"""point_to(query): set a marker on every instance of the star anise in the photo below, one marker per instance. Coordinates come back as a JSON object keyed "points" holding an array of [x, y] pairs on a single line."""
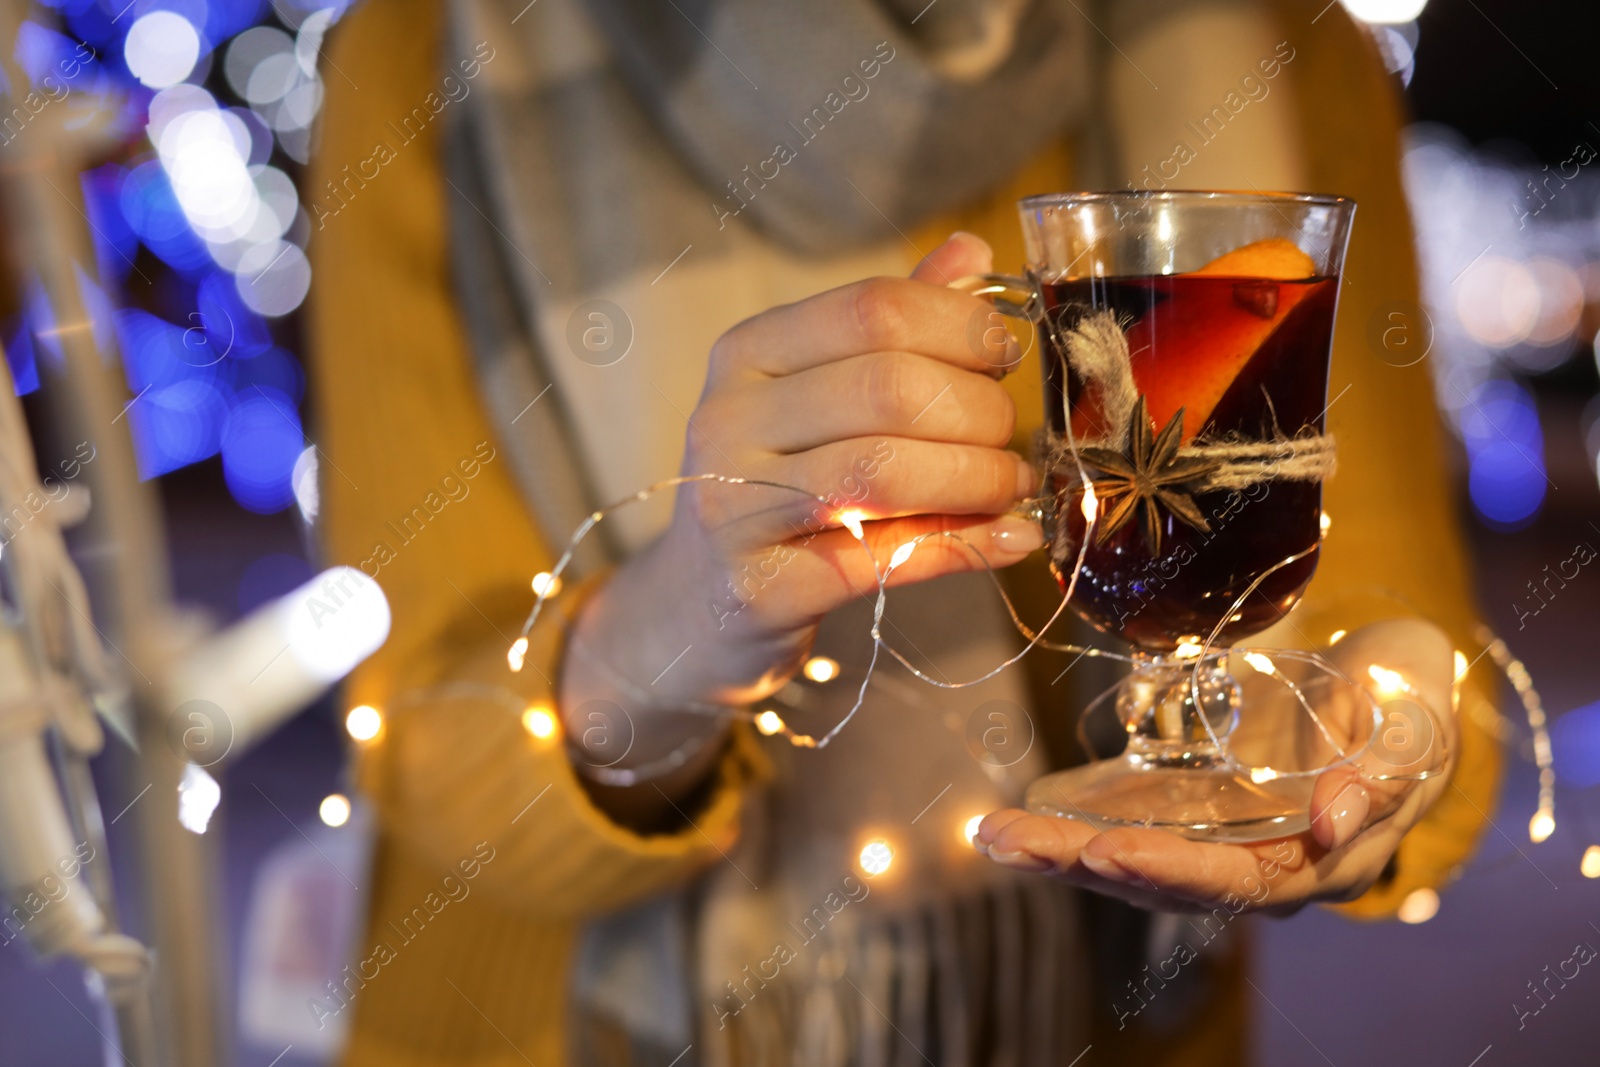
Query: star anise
{"points": [[1149, 472]]}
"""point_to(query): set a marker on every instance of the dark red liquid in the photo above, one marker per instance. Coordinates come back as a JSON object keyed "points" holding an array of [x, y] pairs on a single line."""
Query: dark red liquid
{"points": [[1220, 348]]}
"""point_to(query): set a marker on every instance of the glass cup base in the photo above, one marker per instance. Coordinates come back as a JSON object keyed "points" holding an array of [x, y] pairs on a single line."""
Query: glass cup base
{"points": [[1198, 796]]}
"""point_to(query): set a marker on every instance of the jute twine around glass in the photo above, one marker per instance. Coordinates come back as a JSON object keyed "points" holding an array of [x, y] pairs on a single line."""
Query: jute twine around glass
{"points": [[1097, 351]]}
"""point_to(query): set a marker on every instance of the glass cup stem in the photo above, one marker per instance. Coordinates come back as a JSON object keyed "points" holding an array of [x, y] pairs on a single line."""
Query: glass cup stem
{"points": [[1157, 707]]}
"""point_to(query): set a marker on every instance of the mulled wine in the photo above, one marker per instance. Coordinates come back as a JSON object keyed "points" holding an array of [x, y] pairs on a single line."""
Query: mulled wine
{"points": [[1244, 358]]}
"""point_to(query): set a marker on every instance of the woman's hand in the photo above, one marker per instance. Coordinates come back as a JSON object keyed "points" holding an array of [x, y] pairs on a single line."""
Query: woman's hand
{"points": [[880, 396], [1357, 820]]}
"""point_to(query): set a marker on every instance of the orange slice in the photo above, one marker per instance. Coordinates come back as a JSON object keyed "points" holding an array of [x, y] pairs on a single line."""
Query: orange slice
{"points": [[1189, 350], [1273, 258]]}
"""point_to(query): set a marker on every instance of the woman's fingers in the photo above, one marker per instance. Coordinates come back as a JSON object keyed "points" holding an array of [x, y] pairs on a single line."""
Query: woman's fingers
{"points": [[1048, 845], [897, 393], [875, 315], [830, 569], [1151, 868], [961, 254], [916, 478]]}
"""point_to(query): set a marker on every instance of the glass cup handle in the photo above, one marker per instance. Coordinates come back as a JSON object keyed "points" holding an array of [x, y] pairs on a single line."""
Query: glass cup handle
{"points": [[1011, 295], [1018, 298]]}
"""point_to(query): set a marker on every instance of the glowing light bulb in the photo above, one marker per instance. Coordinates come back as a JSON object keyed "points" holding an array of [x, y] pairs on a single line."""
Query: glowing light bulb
{"points": [[1541, 826], [970, 830], [850, 519], [1327, 522], [1261, 663], [1419, 906], [1390, 683], [1461, 665], [821, 669], [902, 554], [1188, 647], [1590, 866], [1337, 636], [516, 653], [363, 722], [539, 721], [876, 856], [769, 722], [546, 584], [1262, 774], [1091, 505], [334, 809]]}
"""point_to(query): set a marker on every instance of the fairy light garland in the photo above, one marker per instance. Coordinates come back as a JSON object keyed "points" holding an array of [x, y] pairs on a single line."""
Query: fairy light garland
{"points": [[1385, 682], [852, 519], [1543, 823]]}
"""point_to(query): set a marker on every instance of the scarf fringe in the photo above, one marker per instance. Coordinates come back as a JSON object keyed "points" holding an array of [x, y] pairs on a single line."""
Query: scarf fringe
{"points": [[976, 981]]}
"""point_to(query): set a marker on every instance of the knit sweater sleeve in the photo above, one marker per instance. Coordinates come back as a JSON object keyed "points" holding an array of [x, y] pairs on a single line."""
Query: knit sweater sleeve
{"points": [[1396, 537], [415, 491], [1395, 547]]}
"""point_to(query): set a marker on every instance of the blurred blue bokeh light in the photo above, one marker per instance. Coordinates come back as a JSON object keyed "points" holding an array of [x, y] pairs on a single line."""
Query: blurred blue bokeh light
{"points": [[1575, 739], [206, 374], [1505, 452], [260, 441]]}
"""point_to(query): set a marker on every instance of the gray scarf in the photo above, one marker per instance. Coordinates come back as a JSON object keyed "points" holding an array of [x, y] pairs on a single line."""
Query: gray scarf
{"points": [[853, 119], [589, 171]]}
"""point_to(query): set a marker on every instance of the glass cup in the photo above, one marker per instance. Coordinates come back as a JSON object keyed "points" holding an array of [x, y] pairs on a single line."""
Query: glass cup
{"points": [[1185, 340]]}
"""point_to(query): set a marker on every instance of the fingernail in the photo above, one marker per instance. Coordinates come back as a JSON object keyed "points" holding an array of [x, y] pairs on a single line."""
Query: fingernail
{"points": [[1020, 861], [1015, 535], [970, 236], [1027, 479], [1348, 813], [1106, 868]]}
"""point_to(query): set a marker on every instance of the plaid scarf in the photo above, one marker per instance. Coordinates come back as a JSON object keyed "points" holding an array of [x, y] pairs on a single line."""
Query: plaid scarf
{"points": [[629, 179]]}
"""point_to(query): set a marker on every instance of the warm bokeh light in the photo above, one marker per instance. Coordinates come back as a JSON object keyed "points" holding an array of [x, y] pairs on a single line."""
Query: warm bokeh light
{"points": [[1261, 662], [1091, 505], [821, 669], [769, 723], [1419, 906], [539, 721], [516, 653], [1390, 683], [546, 584], [1560, 301], [970, 829], [334, 809], [1541, 826], [1497, 301], [1337, 636], [363, 722], [876, 857], [1590, 865], [1189, 646], [850, 519]]}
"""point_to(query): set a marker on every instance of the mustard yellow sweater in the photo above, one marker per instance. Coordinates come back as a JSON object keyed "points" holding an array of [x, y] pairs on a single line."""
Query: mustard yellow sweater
{"points": [[455, 778]]}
